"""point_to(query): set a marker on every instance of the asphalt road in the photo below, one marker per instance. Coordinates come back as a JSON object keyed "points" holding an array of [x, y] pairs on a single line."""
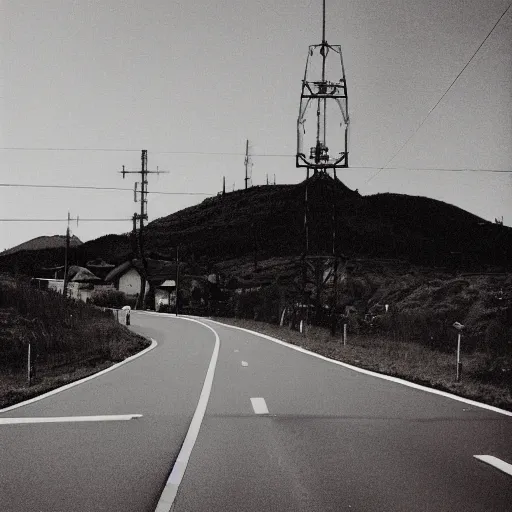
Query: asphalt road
{"points": [[108, 466], [334, 439]]}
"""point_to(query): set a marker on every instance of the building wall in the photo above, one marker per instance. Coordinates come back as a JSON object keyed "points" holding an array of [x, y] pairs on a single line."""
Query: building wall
{"points": [[129, 282], [57, 285], [163, 296], [73, 290]]}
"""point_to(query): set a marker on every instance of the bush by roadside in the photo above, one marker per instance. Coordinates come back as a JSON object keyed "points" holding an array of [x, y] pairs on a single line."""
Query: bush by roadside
{"points": [[68, 340]]}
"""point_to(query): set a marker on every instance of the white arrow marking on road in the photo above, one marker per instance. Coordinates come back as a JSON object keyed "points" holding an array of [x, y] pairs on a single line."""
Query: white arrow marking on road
{"points": [[259, 405], [245, 363], [68, 419], [495, 462]]}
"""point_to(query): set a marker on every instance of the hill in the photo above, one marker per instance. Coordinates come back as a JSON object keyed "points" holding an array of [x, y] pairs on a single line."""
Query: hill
{"points": [[43, 242], [268, 221]]}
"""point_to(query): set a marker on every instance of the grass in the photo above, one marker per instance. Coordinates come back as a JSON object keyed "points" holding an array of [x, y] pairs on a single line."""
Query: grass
{"points": [[410, 361], [69, 341]]}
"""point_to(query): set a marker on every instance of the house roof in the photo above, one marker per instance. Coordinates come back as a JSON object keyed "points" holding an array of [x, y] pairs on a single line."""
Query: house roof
{"points": [[158, 270], [99, 263], [168, 283], [84, 276], [118, 271]]}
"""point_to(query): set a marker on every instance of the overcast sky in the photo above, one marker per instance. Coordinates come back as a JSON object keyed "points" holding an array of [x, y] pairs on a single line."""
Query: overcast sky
{"points": [[204, 76]]}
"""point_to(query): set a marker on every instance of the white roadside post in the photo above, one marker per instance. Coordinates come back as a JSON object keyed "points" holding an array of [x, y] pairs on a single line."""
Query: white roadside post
{"points": [[344, 334], [459, 328], [29, 373], [127, 317], [459, 364], [282, 317]]}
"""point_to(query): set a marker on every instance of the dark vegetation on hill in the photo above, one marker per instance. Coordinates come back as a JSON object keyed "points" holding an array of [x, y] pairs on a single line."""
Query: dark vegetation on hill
{"points": [[269, 220]]}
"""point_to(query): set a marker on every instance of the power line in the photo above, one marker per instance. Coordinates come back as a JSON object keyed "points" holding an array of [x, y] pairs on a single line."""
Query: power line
{"points": [[66, 149], [65, 220], [271, 155], [444, 94], [434, 169], [120, 150], [71, 187]]}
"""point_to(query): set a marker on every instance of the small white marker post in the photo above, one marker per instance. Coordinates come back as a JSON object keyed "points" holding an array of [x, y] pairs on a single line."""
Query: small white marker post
{"points": [[459, 363], [459, 328], [344, 335], [29, 373], [282, 318]]}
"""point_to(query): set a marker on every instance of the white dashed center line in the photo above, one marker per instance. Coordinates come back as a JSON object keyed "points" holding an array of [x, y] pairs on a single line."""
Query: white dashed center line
{"points": [[259, 405], [68, 419], [495, 462], [245, 363]]}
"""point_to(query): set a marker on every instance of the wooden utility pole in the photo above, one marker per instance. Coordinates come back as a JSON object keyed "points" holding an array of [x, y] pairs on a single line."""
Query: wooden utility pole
{"points": [[246, 163], [134, 235], [142, 216], [177, 276], [65, 289]]}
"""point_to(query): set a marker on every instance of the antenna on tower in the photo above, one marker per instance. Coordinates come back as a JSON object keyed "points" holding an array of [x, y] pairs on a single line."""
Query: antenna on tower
{"points": [[248, 164], [323, 90]]}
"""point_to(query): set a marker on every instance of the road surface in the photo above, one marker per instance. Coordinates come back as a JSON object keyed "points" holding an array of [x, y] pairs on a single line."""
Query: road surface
{"points": [[283, 431]]}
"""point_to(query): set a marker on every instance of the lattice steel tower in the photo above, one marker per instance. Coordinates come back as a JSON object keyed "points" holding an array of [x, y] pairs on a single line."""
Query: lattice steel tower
{"points": [[324, 86], [322, 146]]}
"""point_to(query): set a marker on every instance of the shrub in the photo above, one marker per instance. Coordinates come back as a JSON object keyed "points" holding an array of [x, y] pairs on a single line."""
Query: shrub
{"points": [[111, 299]]}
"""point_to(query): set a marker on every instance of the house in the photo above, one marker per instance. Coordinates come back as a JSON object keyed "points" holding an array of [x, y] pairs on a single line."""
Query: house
{"points": [[81, 282], [42, 283], [161, 276]]}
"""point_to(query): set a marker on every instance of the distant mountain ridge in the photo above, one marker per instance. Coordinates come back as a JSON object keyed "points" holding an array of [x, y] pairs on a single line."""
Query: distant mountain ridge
{"points": [[43, 242]]}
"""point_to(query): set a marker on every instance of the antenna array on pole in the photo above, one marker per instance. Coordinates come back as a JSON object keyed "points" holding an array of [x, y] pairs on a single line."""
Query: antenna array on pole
{"points": [[324, 86], [143, 215]]}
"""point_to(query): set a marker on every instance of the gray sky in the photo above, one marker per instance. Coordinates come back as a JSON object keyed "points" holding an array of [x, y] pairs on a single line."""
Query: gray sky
{"points": [[203, 76]]}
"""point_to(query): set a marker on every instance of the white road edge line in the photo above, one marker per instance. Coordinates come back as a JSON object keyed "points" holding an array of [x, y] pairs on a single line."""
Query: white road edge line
{"points": [[170, 491], [259, 405], [373, 374], [495, 462], [68, 419], [81, 381], [245, 363]]}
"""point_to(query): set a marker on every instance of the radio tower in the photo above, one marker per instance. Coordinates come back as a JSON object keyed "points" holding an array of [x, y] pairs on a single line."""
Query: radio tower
{"points": [[324, 87]]}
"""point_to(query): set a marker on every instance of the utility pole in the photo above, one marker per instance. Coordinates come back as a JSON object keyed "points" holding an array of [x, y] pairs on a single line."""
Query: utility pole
{"points": [[66, 257], [223, 185], [65, 289], [246, 163], [177, 276], [141, 217], [134, 234]]}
